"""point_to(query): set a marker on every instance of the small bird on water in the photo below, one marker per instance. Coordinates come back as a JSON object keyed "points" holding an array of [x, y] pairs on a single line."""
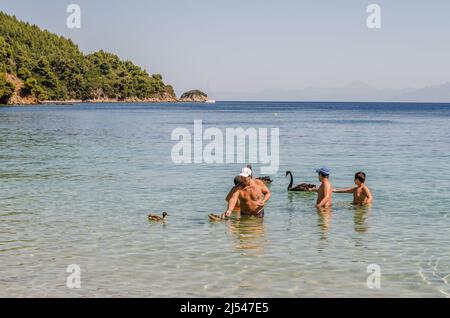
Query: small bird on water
{"points": [[157, 218], [215, 217]]}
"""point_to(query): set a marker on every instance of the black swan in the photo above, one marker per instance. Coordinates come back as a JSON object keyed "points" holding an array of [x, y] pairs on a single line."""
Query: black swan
{"points": [[299, 187]]}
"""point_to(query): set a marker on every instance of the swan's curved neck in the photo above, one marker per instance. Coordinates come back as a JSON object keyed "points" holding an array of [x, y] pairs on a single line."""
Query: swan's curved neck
{"points": [[292, 180]]}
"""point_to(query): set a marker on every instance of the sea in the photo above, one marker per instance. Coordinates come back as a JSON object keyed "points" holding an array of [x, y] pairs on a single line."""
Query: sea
{"points": [[77, 183]]}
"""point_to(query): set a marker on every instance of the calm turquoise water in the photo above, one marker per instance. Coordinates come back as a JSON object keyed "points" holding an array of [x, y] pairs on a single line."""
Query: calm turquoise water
{"points": [[76, 183]]}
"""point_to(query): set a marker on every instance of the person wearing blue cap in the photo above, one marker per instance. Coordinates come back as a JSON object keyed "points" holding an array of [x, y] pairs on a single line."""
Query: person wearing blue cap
{"points": [[325, 191]]}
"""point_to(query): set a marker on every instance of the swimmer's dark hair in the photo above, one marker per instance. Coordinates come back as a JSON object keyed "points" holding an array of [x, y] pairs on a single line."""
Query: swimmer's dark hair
{"points": [[361, 176], [237, 180], [324, 175]]}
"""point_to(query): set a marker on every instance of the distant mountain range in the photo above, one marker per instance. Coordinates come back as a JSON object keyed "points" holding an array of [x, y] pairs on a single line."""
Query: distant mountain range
{"points": [[356, 91]]}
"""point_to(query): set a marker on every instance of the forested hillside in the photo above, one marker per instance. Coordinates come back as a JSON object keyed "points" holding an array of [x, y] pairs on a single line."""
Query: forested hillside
{"points": [[51, 67]]}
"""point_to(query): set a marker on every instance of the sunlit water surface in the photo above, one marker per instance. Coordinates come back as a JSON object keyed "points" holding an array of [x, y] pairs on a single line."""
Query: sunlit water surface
{"points": [[76, 184]]}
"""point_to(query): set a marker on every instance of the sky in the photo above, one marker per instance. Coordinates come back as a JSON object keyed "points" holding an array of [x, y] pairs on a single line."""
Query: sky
{"points": [[261, 45]]}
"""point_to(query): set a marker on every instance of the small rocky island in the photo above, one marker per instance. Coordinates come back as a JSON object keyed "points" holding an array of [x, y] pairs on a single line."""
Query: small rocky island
{"points": [[194, 96]]}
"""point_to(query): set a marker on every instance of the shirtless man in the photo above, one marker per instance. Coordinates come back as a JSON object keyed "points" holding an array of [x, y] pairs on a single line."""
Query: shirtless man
{"points": [[361, 193], [237, 185], [250, 194], [325, 191]]}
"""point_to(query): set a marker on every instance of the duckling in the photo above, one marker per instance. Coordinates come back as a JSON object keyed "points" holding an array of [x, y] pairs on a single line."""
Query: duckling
{"points": [[157, 218], [215, 217]]}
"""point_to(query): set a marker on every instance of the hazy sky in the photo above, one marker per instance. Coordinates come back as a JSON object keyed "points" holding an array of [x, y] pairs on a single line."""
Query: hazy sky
{"points": [[256, 45]]}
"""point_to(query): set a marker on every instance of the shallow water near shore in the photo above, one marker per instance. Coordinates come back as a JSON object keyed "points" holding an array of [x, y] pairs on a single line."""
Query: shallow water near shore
{"points": [[78, 181]]}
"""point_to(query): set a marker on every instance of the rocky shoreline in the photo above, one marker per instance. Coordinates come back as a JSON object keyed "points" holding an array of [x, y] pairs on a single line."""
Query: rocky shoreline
{"points": [[162, 99], [192, 96]]}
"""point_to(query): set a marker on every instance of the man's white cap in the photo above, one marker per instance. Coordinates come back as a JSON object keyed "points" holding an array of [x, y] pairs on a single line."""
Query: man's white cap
{"points": [[245, 172]]}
